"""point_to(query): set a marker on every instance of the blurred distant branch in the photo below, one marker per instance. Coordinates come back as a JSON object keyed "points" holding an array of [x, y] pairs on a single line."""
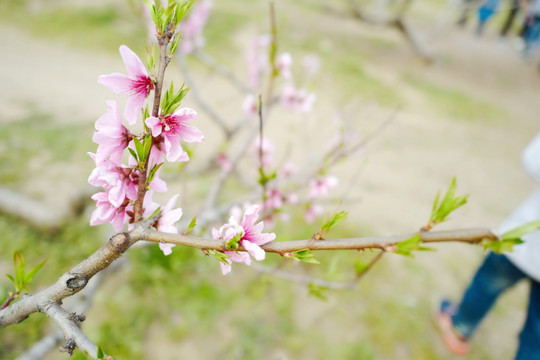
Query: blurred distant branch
{"points": [[41, 215], [396, 21], [221, 70]]}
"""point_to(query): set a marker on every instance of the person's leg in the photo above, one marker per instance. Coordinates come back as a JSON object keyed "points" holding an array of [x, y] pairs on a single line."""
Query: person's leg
{"points": [[509, 20], [494, 276], [532, 38], [529, 338]]}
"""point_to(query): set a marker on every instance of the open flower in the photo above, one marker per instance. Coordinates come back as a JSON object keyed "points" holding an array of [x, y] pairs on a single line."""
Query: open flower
{"points": [[112, 137], [173, 127], [284, 63], [193, 26], [105, 212], [167, 218], [300, 100], [116, 179], [319, 187], [136, 85], [250, 237]]}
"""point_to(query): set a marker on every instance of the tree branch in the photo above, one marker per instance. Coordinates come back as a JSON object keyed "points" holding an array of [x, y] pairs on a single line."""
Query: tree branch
{"points": [[72, 281], [473, 236], [69, 324]]}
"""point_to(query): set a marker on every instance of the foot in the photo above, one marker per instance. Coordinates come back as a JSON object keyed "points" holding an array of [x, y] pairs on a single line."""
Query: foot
{"points": [[453, 340]]}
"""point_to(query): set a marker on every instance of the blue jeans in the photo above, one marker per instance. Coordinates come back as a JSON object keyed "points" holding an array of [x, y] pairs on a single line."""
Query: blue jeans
{"points": [[494, 276], [532, 37]]}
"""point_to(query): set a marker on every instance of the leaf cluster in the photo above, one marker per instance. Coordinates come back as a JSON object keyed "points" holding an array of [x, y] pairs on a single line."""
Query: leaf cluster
{"points": [[22, 278], [142, 149], [172, 101], [317, 291], [167, 18], [304, 255], [330, 223], [450, 203], [221, 257], [406, 247], [511, 237]]}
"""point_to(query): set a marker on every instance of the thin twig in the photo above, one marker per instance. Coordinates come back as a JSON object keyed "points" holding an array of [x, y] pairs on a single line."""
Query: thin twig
{"points": [[203, 104], [221, 69]]}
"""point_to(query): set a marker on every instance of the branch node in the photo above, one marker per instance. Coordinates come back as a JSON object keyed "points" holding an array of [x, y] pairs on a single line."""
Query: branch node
{"points": [[77, 318], [68, 347], [76, 282], [120, 242]]}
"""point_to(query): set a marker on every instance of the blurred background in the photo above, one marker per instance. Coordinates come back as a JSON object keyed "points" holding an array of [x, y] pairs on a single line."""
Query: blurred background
{"points": [[462, 105]]}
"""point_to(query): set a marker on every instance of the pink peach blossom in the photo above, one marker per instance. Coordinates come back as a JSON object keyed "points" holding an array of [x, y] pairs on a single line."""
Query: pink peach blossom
{"points": [[106, 212], [112, 137], [319, 187], [251, 237], [267, 150], [299, 100], [284, 63], [312, 211], [171, 129], [193, 26], [250, 106], [136, 85], [167, 218]]}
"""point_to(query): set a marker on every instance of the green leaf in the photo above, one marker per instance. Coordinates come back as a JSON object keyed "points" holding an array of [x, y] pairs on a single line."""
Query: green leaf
{"points": [[232, 244], [192, 224], [221, 257], [334, 221], [502, 245], [360, 267], [450, 203], [134, 154], [174, 44], [18, 264], [522, 230], [152, 173], [317, 291], [407, 246], [147, 145], [100, 354], [12, 279], [304, 255], [28, 277], [139, 148]]}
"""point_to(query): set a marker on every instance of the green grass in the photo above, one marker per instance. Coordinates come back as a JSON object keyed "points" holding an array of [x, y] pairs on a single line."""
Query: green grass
{"points": [[350, 72], [36, 138], [90, 28], [458, 104]]}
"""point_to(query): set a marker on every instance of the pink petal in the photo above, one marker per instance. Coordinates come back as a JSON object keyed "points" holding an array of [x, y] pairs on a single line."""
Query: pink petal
{"points": [[166, 248], [134, 105], [154, 124], [117, 83], [118, 222], [185, 114], [190, 134], [134, 65], [255, 250], [251, 215], [174, 149], [225, 268], [171, 202]]}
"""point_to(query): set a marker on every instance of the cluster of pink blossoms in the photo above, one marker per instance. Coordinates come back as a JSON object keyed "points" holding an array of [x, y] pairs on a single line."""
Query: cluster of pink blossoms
{"points": [[121, 182], [247, 234], [193, 26], [292, 97]]}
